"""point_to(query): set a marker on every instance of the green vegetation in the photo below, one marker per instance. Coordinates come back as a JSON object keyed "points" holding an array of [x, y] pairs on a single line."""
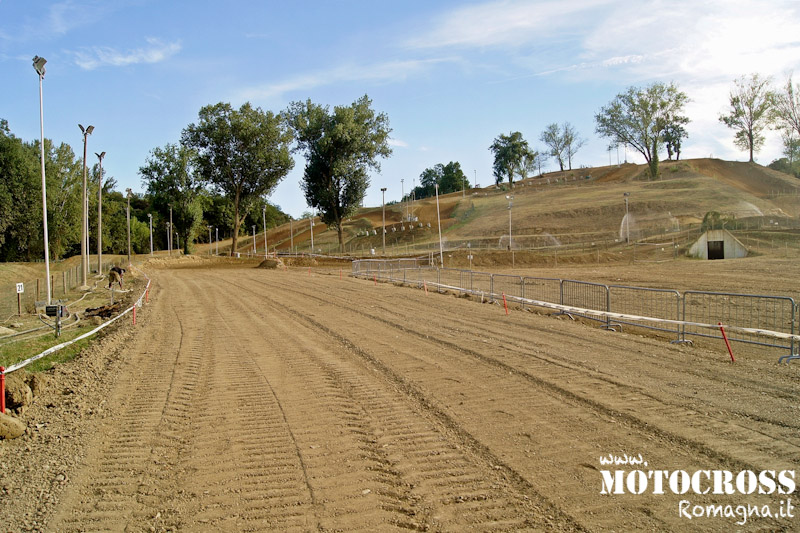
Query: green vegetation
{"points": [[14, 352]]}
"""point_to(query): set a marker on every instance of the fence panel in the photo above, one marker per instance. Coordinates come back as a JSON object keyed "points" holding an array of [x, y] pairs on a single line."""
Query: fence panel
{"points": [[776, 313], [452, 277], [586, 295], [542, 289], [481, 282], [642, 301], [508, 285]]}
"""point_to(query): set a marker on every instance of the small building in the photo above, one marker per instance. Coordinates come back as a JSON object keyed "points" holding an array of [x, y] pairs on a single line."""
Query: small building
{"points": [[717, 244]]}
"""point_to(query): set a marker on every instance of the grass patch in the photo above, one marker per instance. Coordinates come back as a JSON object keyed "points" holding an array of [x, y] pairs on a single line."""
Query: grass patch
{"points": [[15, 352]]}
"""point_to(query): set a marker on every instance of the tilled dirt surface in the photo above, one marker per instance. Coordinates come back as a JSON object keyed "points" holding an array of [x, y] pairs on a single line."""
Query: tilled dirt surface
{"points": [[251, 399]]}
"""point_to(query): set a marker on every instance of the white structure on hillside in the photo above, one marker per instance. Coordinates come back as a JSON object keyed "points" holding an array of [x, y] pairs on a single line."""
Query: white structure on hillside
{"points": [[717, 244]]}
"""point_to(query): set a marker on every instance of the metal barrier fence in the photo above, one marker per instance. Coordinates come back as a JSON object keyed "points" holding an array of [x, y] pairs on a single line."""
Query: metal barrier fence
{"points": [[757, 312], [642, 301], [774, 313], [587, 295]]}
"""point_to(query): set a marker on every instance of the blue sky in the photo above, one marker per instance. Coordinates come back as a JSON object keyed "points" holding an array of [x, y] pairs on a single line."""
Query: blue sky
{"points": [[450, 75]]}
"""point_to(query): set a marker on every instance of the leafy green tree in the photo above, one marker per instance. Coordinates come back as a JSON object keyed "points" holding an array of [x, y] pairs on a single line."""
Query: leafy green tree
{"points": [[242, 153], [511, 152], [171, 181], [64, 183], [340, 146], [572, 142], [453, 178], [786, 108], [639, 118], [750, 104], [673, 139], [555, 142]]}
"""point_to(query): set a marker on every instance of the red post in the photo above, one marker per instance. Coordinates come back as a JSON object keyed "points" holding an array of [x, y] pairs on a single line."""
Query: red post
{"points": [[425, 284], [134, 314], [147, 296], [728, 344], [375, 278], [309, 271], [2, 390], [505, 304], [340, 273]]}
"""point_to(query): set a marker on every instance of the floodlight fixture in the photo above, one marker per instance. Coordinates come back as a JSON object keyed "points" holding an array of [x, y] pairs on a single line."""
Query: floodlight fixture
{"points": [[38, 65]]}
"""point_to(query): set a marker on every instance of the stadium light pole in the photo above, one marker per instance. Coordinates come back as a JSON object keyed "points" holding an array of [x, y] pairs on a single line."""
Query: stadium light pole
{"points": [[100, 157], [128, 216], [383, 210], [38, 66], [311, 225], [402, 194], [627, 219], [510, 203], [150, 216], [439, 220], [216, 240], [169, 235], [264, 220], [84, 200], [291, 235], [209, 240], [254, 239]]}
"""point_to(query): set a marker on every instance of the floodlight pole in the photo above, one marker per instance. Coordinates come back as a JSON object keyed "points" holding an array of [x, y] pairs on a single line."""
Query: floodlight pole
{"points": [[150, 216], [254, 240], [627, 220], [264, 220], [383, 210], [169, 235], [216, 241], [439, 220], [84, 200], [38, 65], [311, 225], [209, 240], [291, 235], [100, 157], [128, 216], [402, 195], [510, 198]]}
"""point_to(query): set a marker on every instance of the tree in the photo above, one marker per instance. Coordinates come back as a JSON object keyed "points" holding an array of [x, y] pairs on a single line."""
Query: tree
{"points": [[510, 155], [243, 154], [639, 118], [572, 142], [751, 102], [786, 107], [453, 178], [171, 181], [673, 135], [340, 146], [552, 138], [64, 183]]}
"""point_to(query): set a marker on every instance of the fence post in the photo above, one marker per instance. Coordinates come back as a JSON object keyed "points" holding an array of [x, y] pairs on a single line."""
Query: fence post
{"points": [[2, 390]]}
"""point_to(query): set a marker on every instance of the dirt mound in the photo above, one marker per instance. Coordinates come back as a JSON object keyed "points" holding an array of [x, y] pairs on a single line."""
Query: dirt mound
{"points": [[271, 264]]}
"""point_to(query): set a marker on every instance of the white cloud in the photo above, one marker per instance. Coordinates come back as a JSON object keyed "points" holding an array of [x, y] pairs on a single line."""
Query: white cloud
{"points": [[504, 23], [390, 71], [99, 56], [398, 143]]}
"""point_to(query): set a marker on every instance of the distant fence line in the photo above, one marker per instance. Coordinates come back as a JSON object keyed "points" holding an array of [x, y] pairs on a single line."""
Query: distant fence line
{"points": [[678, 315]]}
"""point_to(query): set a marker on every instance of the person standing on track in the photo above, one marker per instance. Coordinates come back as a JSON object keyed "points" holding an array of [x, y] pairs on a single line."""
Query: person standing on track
{"points": [[115, 274]]}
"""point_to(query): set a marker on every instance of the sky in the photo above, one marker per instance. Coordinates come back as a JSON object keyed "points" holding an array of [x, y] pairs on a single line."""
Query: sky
{"points": [[451, 76]]}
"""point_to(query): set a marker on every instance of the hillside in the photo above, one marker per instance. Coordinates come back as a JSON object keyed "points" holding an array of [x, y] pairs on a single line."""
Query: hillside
{"points": [[579, 207]]}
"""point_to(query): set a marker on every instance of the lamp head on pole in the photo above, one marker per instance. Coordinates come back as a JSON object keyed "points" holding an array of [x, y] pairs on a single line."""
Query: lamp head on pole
{"points": [[38, 65], [129, 192], [100, 156], [86, 131]]}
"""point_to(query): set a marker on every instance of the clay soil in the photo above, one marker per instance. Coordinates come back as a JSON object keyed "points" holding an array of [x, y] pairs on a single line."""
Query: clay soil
{"points": [[248, 399]]}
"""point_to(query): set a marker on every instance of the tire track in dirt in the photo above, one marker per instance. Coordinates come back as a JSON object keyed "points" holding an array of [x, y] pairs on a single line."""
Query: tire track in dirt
{"points": [[663, 451], [418, 477], [124, 479], [772, 437]]}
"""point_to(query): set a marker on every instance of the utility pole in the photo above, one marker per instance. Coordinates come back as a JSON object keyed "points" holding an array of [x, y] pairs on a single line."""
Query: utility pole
{"points": [[264, 215], [85, 206], [128, 215], [100, 157], [383, 210]]}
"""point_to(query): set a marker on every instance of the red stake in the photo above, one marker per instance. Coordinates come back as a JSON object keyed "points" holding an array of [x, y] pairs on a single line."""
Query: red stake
{"points": [[425, 284], [340, 273], [2, 390], [728, 344], [375, 279], [505, 304], [147, 296], [134, 314]]}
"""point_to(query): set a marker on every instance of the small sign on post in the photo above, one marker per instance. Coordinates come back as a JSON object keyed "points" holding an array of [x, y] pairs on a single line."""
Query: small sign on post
{"points": [[20, 290]]}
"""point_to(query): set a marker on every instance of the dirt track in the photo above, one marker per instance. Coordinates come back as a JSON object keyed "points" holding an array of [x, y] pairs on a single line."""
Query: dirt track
{"points": [[273, 400]]}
